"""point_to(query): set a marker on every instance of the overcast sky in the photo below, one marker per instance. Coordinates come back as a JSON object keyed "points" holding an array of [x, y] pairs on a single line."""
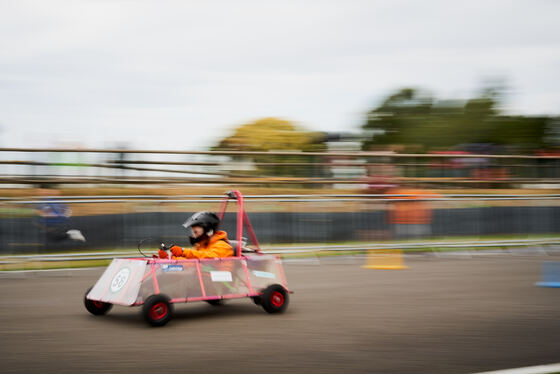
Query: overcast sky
{"points": [[181, 74]]}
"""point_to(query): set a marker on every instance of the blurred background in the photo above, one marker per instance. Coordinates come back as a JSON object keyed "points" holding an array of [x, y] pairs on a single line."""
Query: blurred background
{"points": [[349, 126], [355, 123]]}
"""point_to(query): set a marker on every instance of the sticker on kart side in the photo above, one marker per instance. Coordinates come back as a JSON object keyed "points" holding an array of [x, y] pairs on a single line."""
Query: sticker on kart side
{"points": [[171, 268], [264, 274], [120, 279], [221, 276]]}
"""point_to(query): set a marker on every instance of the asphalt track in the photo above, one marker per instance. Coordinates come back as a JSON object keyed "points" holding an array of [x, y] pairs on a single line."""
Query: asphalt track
{"points": [[443, 315]]}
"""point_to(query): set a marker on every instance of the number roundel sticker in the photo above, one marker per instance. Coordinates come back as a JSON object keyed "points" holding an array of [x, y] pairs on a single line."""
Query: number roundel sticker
{"points": [[120, 279]]}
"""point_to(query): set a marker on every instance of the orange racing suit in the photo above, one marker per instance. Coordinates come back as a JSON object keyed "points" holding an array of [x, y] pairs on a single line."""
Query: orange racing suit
{"points": [[218, 246]]}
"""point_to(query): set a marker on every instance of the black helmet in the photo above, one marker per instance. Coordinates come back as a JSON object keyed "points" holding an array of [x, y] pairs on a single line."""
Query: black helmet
{"points": [[207, 220]]}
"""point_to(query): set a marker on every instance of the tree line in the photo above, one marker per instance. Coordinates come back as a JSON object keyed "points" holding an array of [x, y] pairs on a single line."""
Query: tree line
{"points": [[410, 121]]}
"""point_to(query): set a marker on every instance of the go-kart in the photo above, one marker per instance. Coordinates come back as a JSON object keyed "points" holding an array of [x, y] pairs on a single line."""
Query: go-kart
{"points": [[156, 284]]}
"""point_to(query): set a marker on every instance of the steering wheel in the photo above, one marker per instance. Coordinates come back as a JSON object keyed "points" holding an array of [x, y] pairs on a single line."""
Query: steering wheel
{"points": [[148, 244]]}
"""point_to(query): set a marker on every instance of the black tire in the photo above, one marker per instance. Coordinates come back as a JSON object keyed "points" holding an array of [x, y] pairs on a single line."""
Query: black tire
{"points": [[97, 308], [274, 299], [157, 310], [216, 302], [257, 300]]}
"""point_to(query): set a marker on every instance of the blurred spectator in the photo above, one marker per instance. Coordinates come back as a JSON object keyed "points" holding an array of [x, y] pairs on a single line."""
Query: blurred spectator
{"points": [[54, 219], [409, 215]]}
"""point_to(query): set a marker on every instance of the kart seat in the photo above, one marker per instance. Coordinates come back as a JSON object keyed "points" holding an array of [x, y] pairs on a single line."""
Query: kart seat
{"points": [[233, 243]]}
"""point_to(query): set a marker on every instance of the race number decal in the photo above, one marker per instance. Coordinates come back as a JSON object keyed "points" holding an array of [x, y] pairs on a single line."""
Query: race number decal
{"points": [[120, 279]]}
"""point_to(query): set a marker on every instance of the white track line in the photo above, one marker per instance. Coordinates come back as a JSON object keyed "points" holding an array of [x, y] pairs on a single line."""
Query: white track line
{"points": [[540, 369]]}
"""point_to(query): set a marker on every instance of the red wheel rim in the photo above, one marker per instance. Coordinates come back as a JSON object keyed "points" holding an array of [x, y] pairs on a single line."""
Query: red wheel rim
{"points": [[277, 299], [158, 311], [98, 304]]}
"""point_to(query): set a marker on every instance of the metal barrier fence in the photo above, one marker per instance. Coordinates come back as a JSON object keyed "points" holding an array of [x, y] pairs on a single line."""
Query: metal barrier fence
{"points": [[550, 245], [117, 223], [117, 166]]}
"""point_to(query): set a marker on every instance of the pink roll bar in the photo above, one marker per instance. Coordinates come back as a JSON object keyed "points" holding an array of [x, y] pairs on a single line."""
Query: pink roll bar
{"points": [[242, 220]]}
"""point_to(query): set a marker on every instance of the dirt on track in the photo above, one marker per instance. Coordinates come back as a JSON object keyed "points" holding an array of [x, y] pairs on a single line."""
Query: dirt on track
{"points": [[442, 315]]}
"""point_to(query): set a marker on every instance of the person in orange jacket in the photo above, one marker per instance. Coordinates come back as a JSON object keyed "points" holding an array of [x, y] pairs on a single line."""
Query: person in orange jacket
{"points": [[207, 240]]}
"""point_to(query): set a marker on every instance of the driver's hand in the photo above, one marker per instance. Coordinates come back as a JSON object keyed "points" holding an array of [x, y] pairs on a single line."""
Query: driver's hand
{"points": [[162, 254], [177, 251]]}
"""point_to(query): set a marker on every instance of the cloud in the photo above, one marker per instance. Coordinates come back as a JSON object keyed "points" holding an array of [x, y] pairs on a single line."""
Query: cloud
{"points": [[182, 73]]}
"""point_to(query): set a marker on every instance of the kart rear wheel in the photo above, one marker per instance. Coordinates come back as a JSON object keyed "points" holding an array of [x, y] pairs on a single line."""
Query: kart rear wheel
{"points": [[274, 299], [157, 310], [97, 308]]}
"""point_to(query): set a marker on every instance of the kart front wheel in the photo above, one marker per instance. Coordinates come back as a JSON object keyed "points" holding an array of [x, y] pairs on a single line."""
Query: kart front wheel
{"points": [[97, 308], [274, 299], [157, 310]]}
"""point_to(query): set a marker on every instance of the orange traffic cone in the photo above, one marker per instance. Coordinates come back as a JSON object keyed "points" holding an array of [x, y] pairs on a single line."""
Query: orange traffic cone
{"points": [[390, 259]]}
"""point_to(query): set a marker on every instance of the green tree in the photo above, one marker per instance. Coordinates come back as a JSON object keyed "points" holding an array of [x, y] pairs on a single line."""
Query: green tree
{"points": [[416, 120]]}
